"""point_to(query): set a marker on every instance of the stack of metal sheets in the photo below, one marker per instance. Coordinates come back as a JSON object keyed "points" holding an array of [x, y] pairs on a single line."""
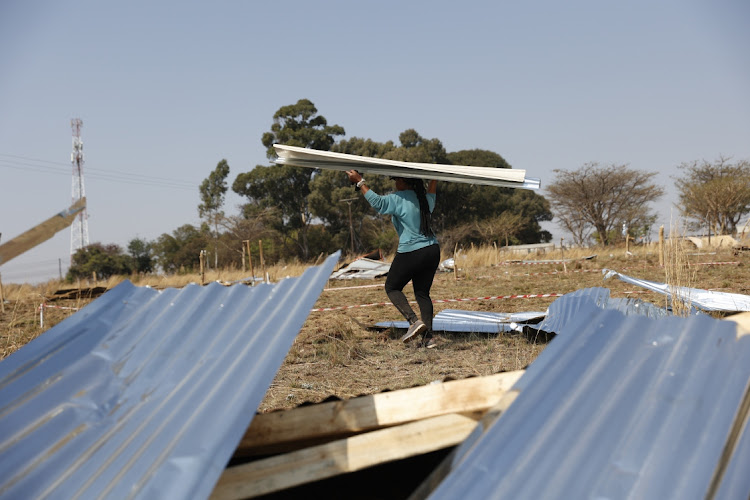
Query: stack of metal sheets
{"points": [[313, 158]]}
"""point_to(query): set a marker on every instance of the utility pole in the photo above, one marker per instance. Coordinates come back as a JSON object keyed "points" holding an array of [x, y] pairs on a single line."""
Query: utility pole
{"points": [[79, 230], [349, 201]]}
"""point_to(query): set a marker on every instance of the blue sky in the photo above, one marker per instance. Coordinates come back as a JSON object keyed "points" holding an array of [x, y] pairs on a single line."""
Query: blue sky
{"points": [[167, 89]]}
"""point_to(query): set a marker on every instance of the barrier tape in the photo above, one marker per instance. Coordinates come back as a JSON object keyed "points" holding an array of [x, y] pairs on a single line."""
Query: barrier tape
{"points": [[512, 263], [553, 273], [353, 287], [58, 307], [733, 263], [439, 301], [41, 311]]}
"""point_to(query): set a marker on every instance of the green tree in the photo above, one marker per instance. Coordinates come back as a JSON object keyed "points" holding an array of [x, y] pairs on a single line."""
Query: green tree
{"points": [[140, 253], [330, 190], [470, 204], [603, 197], [100, 260], [213, 189], [715, 195], [285, 187], [181, 249]]}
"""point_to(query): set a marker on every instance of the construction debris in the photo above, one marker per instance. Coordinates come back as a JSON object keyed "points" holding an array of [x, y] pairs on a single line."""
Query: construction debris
{"points": [[454, 320], [362, 269]]}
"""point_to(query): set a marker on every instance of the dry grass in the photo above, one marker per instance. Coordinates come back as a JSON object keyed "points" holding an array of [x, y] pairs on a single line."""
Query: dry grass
{"points": [[677, 272], [338, 353]]}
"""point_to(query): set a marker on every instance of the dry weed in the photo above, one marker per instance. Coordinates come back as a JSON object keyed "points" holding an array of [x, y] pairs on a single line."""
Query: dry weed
{"points": [[677, 272]]}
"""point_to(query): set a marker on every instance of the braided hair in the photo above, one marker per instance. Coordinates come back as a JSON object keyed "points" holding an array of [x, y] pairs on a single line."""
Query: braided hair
{"points": [[424, 209]]}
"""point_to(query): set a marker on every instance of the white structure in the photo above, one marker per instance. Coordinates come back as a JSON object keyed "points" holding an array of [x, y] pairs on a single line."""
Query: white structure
{"points": [[79, 230]]}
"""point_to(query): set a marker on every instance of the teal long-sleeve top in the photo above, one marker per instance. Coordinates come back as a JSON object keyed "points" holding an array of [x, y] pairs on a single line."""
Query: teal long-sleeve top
{"points": [[403, 207]]}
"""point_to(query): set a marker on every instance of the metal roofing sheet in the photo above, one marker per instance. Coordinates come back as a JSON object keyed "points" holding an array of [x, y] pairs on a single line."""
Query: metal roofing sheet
{"points": [[362, 268], [705, 299], [573, 306], [313, 158], [454, 320], [618, 407], [145, 394]]}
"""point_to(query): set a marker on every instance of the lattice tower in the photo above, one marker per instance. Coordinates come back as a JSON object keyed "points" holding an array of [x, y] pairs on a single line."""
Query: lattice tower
{"points": [[79, 230]]}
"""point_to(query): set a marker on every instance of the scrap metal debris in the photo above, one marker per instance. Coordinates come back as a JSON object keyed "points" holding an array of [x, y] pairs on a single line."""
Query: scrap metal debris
{"points": [[362, 269], [705, 299]]}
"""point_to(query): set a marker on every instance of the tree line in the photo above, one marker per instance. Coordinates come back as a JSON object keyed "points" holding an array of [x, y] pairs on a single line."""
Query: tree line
{"points": [[301, 213]]}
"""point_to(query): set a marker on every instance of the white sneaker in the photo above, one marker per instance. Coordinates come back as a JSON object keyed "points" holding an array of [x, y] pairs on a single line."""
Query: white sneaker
{"points": [[413, 331]]}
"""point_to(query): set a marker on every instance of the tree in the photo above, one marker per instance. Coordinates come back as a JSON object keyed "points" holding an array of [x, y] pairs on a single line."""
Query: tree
{"points": [[212, 190], [329, 189], [471, 203], [715, 195], [100, 260], [602, 197], [285, 187], [140, 253], [181, 249]]}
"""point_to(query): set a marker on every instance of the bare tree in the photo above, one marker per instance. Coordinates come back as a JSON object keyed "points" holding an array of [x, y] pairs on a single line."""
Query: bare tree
{"points": [[715, 195], [602, 198]]}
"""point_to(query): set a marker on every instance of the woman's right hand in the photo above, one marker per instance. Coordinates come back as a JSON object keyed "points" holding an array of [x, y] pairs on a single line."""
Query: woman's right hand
{"points": [[354, 176]]}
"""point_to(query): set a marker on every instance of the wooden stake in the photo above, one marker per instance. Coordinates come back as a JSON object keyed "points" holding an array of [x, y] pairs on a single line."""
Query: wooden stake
{"points": [[2, 298], [250, 260], [202, 261], [455, 262], [262, 262], [661, 245]]}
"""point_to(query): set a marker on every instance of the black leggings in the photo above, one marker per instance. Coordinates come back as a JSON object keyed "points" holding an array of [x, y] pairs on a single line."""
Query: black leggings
{"points": [[418, 266]]}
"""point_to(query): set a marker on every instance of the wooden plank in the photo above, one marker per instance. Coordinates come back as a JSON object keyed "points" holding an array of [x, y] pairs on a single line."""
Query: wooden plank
{"points": [[41, 232], [343, 456], [444, 468], [743, 323], [276, 431]]}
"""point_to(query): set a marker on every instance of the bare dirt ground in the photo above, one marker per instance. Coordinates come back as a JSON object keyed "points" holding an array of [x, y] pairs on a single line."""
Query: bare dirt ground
{"points": [[338, 353]]}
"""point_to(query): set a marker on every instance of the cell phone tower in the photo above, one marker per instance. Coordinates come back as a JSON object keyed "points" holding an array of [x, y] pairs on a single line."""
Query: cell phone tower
{"points": [[79, 230]]}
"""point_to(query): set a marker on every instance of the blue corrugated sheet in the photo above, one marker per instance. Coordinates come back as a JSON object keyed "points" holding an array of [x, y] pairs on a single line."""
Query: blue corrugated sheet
{"points": [[619, 407], [571, 307], [145, 394]]}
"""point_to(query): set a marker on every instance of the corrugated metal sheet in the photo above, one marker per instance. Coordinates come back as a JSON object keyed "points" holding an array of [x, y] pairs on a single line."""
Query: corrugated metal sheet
{"points": [[145, 394], [618, 407], [568, 309], [362, 269], [313, 158], [705, 299], [454, 320]]}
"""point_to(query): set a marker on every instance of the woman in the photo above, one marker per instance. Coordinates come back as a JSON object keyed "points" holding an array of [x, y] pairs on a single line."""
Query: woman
{"points": [[418, 254]]}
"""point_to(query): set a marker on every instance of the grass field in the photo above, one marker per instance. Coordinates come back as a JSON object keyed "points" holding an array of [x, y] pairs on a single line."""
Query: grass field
{"points": [[338, 353]]}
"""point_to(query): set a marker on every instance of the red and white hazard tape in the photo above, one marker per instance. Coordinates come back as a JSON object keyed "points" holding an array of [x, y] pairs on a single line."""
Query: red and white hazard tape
{"points": [[730, 263], [41, 311], [438, 301], [58, 307], [353, 287], [554, 273]]}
